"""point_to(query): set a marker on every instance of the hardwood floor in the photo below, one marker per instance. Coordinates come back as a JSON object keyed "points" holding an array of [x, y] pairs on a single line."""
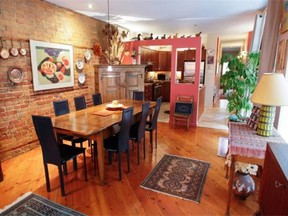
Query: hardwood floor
{"points": [[26, 173]]}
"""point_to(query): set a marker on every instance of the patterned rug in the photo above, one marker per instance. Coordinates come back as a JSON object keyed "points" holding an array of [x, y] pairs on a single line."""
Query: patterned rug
{"points": [[35, 205], [178, 176]]}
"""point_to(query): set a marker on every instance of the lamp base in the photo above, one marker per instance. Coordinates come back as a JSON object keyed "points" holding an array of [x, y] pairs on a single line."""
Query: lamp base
{"points": [[266, 120]]}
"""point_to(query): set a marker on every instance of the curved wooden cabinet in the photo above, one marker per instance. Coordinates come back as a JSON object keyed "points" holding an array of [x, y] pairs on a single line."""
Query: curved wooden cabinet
{"points": [[273, 198]]}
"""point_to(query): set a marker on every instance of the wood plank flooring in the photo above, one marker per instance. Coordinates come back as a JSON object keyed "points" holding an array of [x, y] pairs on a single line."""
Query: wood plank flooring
{"points": [[26, 173]]}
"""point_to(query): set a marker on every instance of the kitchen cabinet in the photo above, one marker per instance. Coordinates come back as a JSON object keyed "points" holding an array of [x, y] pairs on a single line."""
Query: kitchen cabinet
{"points": [[188, 55], [273, 199], [119, 83], [164, 61], [148, 92], [166, 91], [180, 60], [160, 60], [149, 56]]}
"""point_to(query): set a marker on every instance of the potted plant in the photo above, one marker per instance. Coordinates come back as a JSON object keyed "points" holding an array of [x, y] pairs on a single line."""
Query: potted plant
{"points": [[239, 82]]}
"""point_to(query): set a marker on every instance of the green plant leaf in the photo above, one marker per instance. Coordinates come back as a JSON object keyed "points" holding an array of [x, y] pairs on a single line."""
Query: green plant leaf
{"points": [[240, 80]]}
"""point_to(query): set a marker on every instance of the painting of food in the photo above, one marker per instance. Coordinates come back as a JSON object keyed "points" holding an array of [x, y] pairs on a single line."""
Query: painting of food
{"points": [[52, 65]]}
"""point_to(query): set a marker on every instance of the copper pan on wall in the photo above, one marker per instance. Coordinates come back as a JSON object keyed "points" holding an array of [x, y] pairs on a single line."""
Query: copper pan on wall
{"points": [[4, 53]]}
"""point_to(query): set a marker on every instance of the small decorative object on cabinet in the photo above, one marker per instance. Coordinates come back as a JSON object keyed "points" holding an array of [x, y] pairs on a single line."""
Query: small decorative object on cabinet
{"points": [[243, 185], [273, 198]]}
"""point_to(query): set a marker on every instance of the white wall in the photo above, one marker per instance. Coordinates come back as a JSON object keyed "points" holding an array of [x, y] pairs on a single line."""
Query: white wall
{"points": [[210, 71]]}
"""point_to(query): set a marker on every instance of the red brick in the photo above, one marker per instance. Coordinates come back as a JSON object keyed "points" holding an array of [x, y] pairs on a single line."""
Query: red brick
{"points": [[24, 20]]}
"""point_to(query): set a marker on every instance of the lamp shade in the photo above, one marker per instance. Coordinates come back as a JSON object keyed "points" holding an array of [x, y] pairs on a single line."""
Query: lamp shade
{"points": [[272, 90]]}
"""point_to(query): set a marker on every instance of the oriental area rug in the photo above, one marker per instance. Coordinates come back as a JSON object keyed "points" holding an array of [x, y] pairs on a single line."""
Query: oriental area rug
{"points": [[34, 205], [178, 176]]}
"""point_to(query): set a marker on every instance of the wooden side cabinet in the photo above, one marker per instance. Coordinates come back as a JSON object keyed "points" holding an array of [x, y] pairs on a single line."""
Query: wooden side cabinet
{"points": [[273, 198]]}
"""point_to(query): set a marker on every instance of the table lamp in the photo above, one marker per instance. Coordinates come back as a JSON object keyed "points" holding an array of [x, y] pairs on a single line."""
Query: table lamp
{"points": [[271, 91]]}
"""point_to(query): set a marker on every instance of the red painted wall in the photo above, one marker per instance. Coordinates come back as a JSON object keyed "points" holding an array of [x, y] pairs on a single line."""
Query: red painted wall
{"points": [[176, 89]]}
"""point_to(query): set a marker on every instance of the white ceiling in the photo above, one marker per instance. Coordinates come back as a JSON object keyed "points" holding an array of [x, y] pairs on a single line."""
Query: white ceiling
{"points": [[185, 17]]}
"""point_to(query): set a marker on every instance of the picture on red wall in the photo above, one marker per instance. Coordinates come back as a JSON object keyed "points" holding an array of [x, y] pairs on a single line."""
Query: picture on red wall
{"points": [[52, 65]]}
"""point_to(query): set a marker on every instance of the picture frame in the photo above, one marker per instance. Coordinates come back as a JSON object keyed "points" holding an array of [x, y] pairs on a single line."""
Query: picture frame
{"points": [[52, 65], [210, 59]]}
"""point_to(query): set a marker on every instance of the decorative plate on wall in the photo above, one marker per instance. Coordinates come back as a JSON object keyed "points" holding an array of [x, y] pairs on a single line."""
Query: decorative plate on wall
{"points": [[15, 75], [80, 64], [81, 78], [87, 54]]}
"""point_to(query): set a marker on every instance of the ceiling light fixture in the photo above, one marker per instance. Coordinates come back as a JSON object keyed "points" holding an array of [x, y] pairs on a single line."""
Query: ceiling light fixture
{"points": [[109, 68], [90, 6]]}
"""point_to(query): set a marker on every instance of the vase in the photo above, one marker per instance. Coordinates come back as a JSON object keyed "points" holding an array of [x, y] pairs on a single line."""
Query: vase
{"points": [[243, 185]]}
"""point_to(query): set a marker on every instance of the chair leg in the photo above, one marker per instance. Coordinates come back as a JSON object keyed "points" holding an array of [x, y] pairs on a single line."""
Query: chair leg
{"points": [[119, 166], [138, 160], [144, 149], [128, 160], [85, 169], [151, 140], [74, 159], [94, 158], [75, 163], [156, 138], [47, 178], [61, 180], [65, 168]]}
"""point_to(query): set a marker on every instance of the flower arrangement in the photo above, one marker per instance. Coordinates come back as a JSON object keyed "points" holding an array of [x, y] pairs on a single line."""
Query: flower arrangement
{"points": [[243, 167], [246, 168], [116, 47]]}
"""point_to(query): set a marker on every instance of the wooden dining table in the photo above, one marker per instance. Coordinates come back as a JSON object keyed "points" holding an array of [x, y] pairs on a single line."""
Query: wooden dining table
{"points": [[96, 123]]}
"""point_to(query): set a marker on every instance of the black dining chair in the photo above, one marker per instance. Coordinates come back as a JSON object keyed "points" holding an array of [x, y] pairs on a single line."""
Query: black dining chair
{"points": [[54, 153], [61, 107], [138, 95], [80, 103], [97, 99], [137, 131], [152, 124], [119, 142]]}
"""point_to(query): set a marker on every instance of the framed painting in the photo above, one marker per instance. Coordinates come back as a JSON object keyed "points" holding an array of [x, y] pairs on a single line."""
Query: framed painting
{"points": [[52, 65]]}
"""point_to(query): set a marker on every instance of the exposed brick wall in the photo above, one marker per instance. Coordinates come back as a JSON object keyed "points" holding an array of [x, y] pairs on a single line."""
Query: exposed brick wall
{"points": [[22, 20]]}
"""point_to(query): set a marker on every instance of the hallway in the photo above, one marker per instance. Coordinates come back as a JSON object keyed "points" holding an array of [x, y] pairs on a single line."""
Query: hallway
{"points": [[215, 117]]}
